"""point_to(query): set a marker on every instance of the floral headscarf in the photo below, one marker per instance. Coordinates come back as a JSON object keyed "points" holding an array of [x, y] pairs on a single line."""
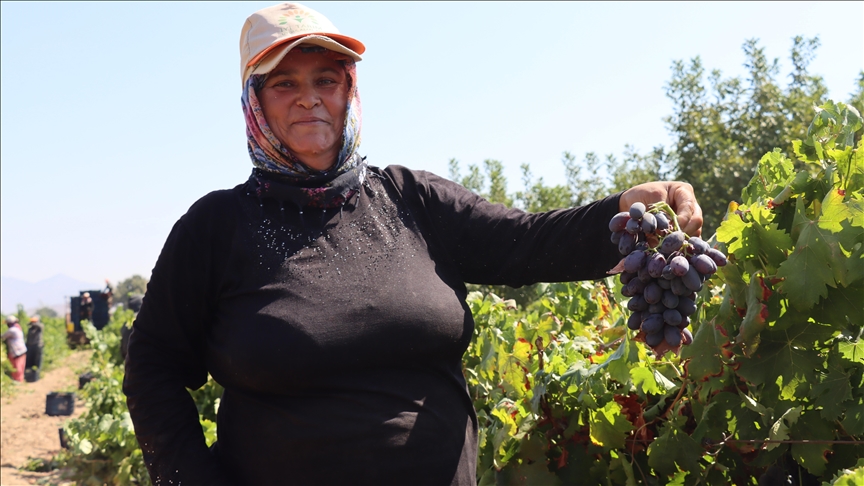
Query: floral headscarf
{"points": [[273, 160]]}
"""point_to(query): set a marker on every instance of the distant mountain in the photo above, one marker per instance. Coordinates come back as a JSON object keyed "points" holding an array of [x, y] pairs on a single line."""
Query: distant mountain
{"points": [[51, 292]]}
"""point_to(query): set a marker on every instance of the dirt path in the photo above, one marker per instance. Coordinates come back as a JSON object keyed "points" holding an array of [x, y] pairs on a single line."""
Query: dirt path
{"points": [[26, 431]]}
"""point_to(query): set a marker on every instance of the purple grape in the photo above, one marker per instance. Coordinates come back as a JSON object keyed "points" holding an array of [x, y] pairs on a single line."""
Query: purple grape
{"points": [[718, 256], [649, 223], [653, 323], [672, 335], [678, 287], [685, 321], [667, 273], [641, 245], [662, 221], [672, 317], [672, 242], [619, 221], [616, 237], [652, 293], [670, 300], [626, 292], [657, 308], [636, 286], [699, 245], [664, 284], [626, 277], [634, 322], [643, 274], [686, 306], [634, 261], [633, 227], [687, 337], [627, 244], [692, 280], [655, 265], [704, 264], [654, 339], [637, 304], [679, 266], [637, 210]]}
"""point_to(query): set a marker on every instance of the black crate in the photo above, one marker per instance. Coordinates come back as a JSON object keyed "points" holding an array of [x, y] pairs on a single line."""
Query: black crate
{"points": [[31, 375], [85, 378], [57, 403]]}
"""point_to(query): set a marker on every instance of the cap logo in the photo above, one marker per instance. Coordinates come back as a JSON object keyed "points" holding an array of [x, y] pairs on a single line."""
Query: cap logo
{"points": [[298, 21]]}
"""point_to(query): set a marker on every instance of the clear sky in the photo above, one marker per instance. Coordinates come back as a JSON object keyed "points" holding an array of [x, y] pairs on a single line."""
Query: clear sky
{"points": [[118, 116]]}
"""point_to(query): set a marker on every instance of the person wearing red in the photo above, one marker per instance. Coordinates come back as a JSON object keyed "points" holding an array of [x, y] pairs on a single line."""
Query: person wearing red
{"points": [[15, 348]]}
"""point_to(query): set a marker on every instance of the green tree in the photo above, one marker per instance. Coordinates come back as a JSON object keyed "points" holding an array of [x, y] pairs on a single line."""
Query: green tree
{"points": [[45, 312], [723, 127], [136, 284]]}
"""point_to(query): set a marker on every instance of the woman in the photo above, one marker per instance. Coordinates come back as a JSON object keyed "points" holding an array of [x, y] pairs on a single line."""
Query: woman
{"points": [[16, 350], [328, 296]]}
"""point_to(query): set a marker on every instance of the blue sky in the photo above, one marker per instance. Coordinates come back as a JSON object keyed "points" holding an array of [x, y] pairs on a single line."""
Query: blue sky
{"points": [[118, 116]]}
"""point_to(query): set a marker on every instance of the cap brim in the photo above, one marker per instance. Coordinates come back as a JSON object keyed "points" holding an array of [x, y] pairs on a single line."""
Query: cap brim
{"points": [[268, 59]]}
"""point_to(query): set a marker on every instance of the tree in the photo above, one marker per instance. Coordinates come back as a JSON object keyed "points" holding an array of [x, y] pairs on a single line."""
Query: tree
{"points": [[720, 135], [136, 284], [46, 312]]}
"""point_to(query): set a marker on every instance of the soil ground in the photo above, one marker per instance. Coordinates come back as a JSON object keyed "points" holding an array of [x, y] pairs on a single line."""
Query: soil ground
{"points": [[27, 432]]}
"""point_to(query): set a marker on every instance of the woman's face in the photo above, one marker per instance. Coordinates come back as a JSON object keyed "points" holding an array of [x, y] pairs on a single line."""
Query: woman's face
{"points": [[304, 100]]}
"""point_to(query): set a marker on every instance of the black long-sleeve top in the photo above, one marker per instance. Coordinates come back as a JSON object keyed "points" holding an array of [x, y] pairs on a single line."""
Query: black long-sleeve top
{"points": [[338, 334]]}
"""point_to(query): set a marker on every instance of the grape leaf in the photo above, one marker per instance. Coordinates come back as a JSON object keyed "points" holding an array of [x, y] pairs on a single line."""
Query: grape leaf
{"points": [[841, 306], [674, 447], [730, 231], [854, 351], [832, 392], [853, 423], [854, 477], [772, 173], [780, 429], [755, 319], [609, 427], [703, 353], [779, 355], [643, 379], [807, 273], [811, 456], [527, 474]]}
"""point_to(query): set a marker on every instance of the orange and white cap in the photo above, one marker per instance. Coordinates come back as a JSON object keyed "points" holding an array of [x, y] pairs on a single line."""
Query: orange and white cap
{"points": [[270, 33]]}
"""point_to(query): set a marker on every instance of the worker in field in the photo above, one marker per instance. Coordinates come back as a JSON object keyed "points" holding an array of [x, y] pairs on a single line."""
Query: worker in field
{"points": [[35, 343], [16, 350], [85, 311]]}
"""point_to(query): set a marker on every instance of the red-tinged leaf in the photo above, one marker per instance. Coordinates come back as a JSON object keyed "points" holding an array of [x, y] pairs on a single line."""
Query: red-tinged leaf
{"points": [[617, 268], [766, 291], [754, 319]]}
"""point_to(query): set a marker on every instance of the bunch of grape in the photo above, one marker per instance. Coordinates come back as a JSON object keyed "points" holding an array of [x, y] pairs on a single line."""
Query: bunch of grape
{"points": [[661, 278]]}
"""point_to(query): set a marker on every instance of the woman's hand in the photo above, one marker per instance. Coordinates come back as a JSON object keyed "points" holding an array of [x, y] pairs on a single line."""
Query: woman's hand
{"points": [[678, 195]]}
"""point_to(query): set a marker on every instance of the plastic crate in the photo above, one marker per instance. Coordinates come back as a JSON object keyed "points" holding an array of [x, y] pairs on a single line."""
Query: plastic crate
{"points": [[57, 403]]}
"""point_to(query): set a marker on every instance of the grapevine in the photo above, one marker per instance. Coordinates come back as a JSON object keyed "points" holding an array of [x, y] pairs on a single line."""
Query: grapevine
{"points": [[662, 271]]}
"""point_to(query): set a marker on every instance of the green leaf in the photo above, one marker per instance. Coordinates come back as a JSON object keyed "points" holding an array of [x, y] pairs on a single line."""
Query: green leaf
{"points": [[643, 379], [674, 449], [853, 351], [755, 320], [832, 392], [703, 353], [609, 427], [850, 477], [779, 355], [807, 273], [811, 456], [853, 423], [780, 429], [527, 475]]}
